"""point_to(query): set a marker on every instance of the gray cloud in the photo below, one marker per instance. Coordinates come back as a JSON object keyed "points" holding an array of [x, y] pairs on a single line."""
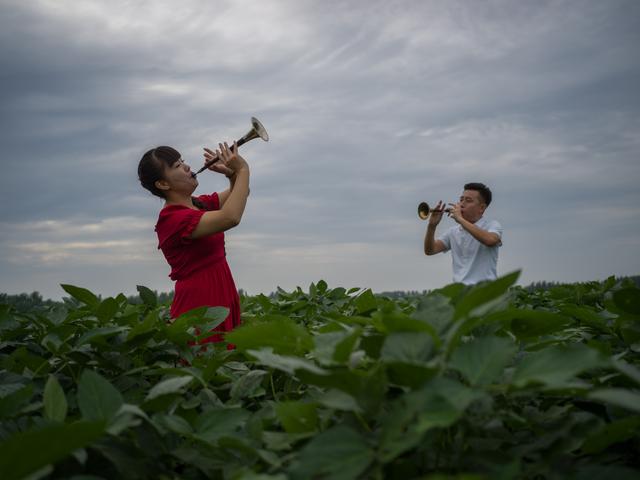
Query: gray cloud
{"points": [[371, 107]]}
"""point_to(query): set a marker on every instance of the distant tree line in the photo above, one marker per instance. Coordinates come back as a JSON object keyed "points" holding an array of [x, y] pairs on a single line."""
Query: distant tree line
{"points": [[29, 301], [544, 285], [26, 301]]}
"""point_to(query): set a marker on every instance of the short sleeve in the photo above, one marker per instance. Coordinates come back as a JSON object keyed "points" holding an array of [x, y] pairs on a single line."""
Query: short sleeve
{"points": [[176, 224], [446, 239], [210, 202], [495, 227]]}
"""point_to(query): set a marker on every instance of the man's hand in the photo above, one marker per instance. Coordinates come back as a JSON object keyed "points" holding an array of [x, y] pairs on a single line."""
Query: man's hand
{"points": [[455, 212], [436, 214]]}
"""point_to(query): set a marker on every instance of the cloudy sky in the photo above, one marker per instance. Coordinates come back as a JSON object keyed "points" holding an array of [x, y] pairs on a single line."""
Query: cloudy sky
{"points": [[372, 106]]}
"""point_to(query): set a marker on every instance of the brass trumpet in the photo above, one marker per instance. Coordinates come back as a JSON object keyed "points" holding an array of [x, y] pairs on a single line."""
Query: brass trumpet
{"points": [[257, 131], [424, 211]]}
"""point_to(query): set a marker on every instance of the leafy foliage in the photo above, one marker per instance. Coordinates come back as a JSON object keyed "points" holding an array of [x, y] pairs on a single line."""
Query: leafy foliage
{"points": [[478, 382]]}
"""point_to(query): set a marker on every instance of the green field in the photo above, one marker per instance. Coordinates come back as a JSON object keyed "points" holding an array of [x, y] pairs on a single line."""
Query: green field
{"points": [[491, 381]]}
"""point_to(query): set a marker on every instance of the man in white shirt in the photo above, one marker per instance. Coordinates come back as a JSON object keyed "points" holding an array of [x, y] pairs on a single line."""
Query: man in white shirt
{"points": [[473, 242]]}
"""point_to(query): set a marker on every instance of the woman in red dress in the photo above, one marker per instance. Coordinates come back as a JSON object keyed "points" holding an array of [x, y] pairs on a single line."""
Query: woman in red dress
{"points": [[191, 229]]}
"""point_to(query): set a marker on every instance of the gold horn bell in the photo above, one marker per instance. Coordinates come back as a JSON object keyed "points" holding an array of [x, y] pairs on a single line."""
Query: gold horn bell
{"points": [[424, 210]]}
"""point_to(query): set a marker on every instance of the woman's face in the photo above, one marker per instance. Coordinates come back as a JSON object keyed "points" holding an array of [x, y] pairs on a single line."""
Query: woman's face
{"points": [[179, 178]]}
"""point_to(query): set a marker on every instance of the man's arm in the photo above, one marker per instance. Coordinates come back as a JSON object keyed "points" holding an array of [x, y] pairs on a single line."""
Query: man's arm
{"points": [[490, 239], [431, 245]]}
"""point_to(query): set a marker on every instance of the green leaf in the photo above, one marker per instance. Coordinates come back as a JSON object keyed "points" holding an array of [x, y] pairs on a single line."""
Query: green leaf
{"points": [[173, 423], [366, 302], [97, 398], [99, 334], [322, 287], [166, 387], [611, 433], [339, 400], [81, 294], [7, 389], [436, 311], [618, 397], [484, 293], [451, 291], [482, 360], [22, 358], [610, 471], [413, 348], [367, 388], [535, 323], [282, 334], [403, 323], [287, 364], [339, 453], [445, 402], [627, 369], [27, 452], [345, 347], [55, 402], [410, 374], [214, 316], [215, 424], [587, 316], [297, 417], [179, 331], [440, 403], [628, 300], [246, 385], [334, 347], [52, 342], [148, 296], [556, 365], [13, 402], [107, 309], [148, 325]]}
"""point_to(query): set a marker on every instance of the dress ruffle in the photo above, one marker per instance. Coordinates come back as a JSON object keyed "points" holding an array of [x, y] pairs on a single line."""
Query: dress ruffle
{"points": [[190, 223]]}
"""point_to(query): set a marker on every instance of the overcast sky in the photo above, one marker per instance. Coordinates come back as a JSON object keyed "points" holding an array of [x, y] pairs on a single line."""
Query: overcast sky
{"points": [[372, 107]]}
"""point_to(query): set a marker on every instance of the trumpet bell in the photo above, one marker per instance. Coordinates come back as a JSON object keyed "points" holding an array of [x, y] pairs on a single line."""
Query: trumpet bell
{"points": [[259, 128], [257, 131], [423, 210]]}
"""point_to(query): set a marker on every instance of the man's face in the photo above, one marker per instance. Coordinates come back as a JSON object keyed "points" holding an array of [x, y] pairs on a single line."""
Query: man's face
{"points": [[471, 205]]}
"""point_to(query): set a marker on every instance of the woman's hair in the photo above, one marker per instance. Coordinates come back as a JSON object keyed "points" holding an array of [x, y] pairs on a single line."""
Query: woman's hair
{"points": [[151, 169], [152, 165]]}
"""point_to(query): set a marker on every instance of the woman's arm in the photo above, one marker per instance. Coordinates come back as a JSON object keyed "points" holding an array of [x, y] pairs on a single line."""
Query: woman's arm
{"points": [[231, 212], [222, 197]]}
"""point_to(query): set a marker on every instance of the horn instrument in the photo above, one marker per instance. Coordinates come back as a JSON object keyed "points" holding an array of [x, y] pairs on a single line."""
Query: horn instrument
{"points": [[257, 131], [424, 210]]}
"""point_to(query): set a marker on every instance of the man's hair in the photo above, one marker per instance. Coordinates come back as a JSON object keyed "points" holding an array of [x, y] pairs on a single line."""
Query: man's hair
{"points": [[482, 189]]}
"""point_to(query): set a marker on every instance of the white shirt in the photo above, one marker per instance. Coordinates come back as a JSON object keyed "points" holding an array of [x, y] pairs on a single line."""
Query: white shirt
{"points": [[473, 261]]}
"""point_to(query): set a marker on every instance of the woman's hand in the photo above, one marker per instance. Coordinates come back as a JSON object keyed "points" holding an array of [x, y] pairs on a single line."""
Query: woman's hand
{"points": [[216, 165], [225, 159]]}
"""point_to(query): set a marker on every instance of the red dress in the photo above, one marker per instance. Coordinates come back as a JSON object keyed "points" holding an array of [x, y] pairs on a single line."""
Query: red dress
{"points": [[198, 266]]}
